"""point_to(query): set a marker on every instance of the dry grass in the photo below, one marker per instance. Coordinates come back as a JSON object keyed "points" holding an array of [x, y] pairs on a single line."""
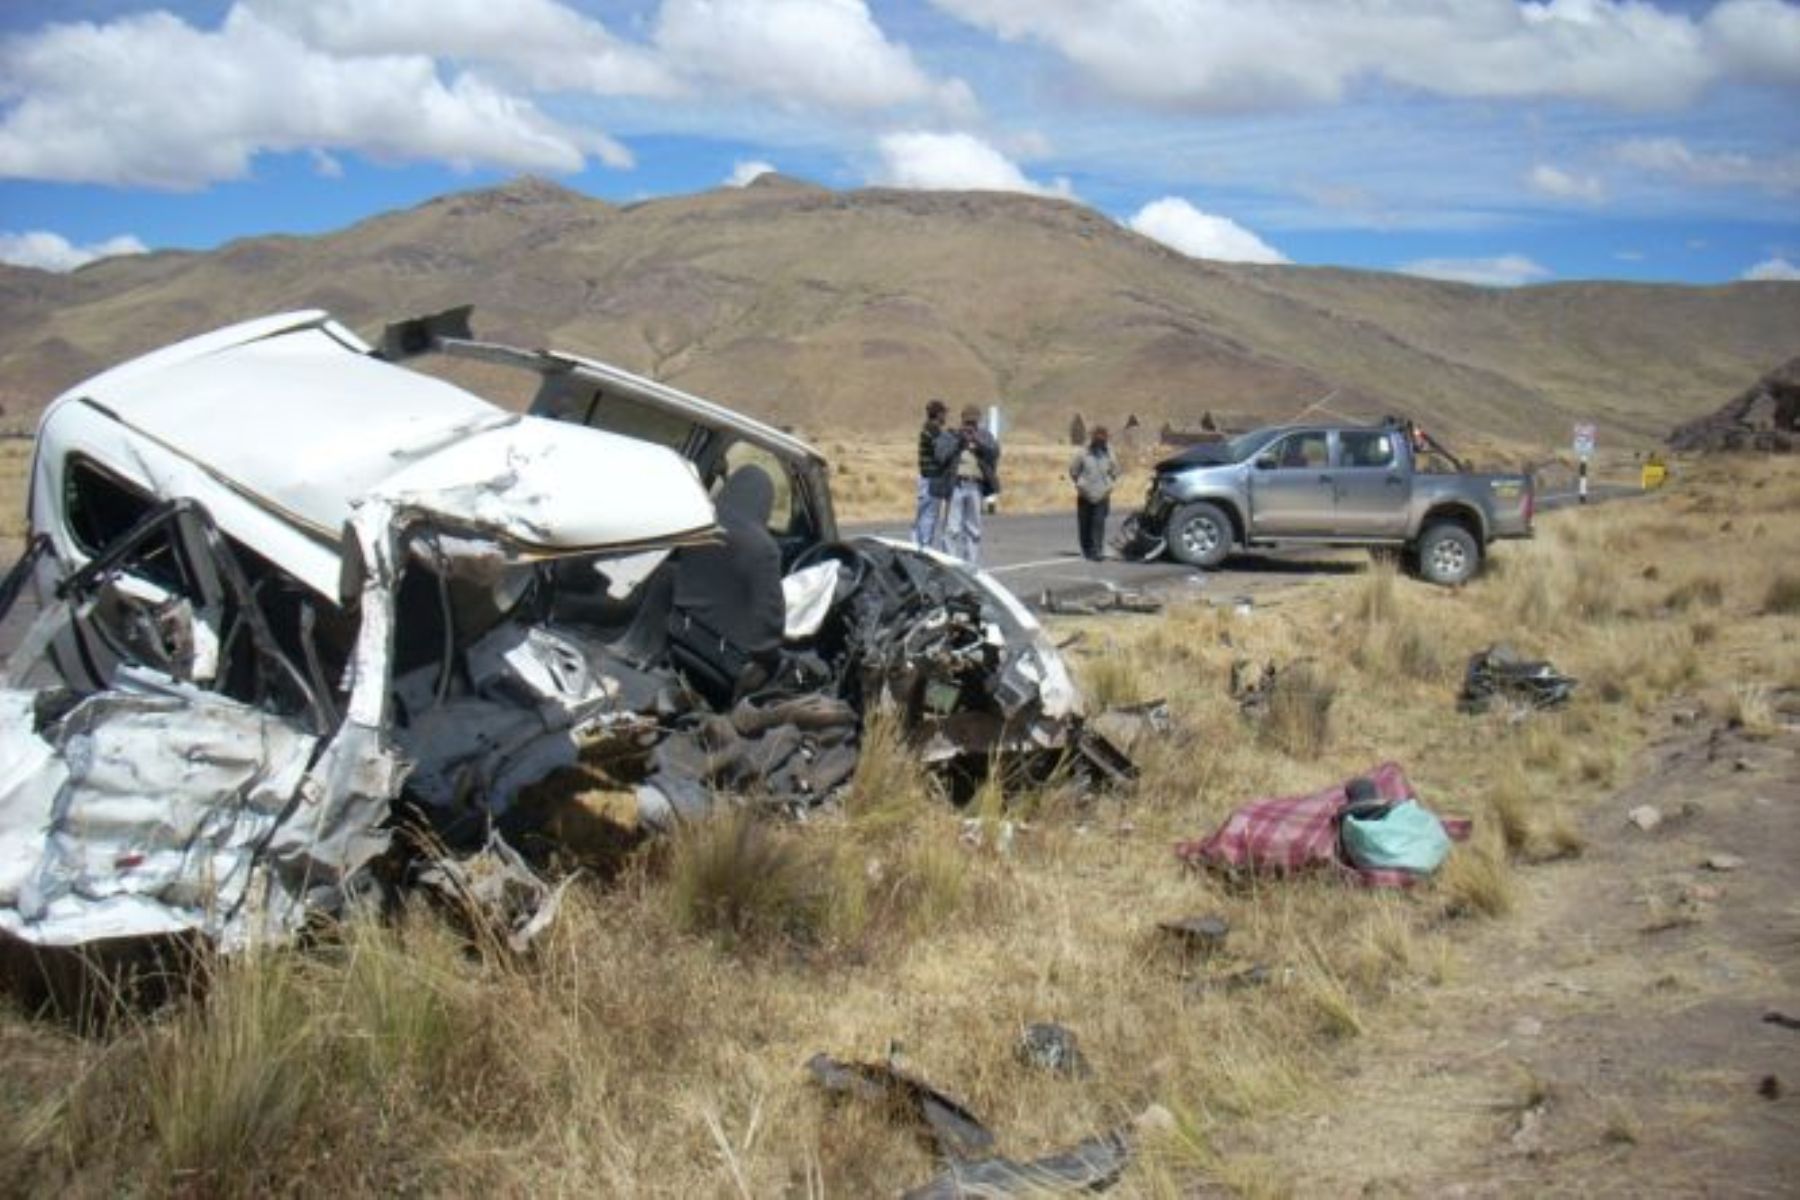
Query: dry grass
{"points": [[1783, 595], [15, 471], [655, 1046]]}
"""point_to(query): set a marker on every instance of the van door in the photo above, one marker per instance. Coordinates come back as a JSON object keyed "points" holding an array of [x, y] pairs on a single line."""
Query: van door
{"points": [[153, 600]]}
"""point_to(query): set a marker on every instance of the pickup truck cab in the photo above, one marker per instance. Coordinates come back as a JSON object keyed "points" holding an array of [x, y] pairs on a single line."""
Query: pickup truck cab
{"points": [[1333, 485]]}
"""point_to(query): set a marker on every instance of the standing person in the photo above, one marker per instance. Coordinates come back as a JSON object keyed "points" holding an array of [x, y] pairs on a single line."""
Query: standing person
{"points": [[926, 506], [1094, 471], [967, 459]]}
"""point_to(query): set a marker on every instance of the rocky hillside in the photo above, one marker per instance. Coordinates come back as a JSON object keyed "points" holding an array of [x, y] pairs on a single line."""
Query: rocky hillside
{"points": [[844, 310], [1765, 416]]}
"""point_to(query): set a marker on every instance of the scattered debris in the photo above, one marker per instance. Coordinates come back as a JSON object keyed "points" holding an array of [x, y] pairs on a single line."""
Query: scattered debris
{"points": [[1053, 1048], [1137, 542], [956, 1132], [1723, 862], [1087, 602], [1288, 834], [1645, 816], [973, 1167], [1769, 1088], [1782, 1020], [1499, 674], [1203, 936], [1092, 1165], [1128, 725], [1255, 975], [1253, 689], [1528, 1129], [495, 889]]}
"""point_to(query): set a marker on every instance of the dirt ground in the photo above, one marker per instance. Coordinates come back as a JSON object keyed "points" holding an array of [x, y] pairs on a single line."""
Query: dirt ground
{"points": [[1611, 1038]]}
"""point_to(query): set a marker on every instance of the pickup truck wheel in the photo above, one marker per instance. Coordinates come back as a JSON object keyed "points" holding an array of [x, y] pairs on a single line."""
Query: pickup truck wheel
{"points": [[1448, 555], [1200, 534]]}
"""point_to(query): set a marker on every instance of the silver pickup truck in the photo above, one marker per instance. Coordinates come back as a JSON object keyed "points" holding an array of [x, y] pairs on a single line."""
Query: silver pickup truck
{"points": [[1327, 485]]}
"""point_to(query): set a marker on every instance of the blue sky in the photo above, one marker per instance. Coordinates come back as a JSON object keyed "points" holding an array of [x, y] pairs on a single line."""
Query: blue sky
{"points": [[1483, 140]]}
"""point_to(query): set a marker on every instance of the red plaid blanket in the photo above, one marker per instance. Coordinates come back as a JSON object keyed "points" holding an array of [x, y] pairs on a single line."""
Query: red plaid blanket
{"points": [[1297, 833]]}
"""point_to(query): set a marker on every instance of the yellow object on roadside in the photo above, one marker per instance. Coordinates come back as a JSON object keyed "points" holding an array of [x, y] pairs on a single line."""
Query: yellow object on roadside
{"points": [[1655, 474]]}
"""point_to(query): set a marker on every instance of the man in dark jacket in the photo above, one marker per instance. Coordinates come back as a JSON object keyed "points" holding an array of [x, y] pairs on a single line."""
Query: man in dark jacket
{"points": [[1093, 472], [926, 506], [968, 469], [728, 613]]}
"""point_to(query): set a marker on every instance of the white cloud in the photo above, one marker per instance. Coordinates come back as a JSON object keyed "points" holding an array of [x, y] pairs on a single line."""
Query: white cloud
{"points": [[1673, 157], [1564, 185], [53, 252], [1629, 255], [537, 44], [744, 172], [150, 100], [954, 162], [827, 54], [1180, 226], [155, 100], [1776, 268], [1758, 39], [1506, 270], [1226, 55]]}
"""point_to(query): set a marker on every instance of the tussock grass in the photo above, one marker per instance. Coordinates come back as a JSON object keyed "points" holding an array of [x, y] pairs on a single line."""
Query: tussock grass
{"points": [[1298, 722], [1476, 881], [1783, 595], [889, 788], [235, 1077], [1751, 708], [742, 880], [1111, 678]]}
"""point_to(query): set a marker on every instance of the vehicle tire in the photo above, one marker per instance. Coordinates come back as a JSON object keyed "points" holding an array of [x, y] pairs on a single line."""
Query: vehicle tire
{"points": [[1448, 555], [1200, 534]]}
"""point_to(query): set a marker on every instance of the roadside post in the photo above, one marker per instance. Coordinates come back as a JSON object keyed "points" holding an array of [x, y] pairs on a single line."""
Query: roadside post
{"points": [[1584, 450], [992, 503]]}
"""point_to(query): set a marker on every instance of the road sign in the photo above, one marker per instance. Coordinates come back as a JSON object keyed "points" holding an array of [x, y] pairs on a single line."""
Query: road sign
{"points": [[1584, 440]]}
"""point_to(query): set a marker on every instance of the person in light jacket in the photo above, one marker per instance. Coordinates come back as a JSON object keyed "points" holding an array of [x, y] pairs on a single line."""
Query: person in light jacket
{"points": [[967, 460], [1094, 472]]}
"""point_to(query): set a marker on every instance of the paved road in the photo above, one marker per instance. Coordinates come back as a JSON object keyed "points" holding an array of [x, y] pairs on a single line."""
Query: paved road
{"points": [[1035, 552]]}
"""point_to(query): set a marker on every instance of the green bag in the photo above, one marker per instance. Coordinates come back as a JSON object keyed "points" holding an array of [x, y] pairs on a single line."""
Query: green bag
{"points": [[1407, 838]]}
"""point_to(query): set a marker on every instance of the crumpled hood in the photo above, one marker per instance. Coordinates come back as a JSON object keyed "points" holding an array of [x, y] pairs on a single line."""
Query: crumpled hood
{"points": [[557, 488], [1206, 454]]}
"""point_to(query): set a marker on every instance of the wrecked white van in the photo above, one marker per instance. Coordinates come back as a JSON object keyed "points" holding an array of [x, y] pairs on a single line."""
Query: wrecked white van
{"points": [[293, 594]]}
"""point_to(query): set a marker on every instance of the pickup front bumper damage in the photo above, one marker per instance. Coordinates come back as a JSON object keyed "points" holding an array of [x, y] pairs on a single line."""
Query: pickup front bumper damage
{"points": [[162, 805]]}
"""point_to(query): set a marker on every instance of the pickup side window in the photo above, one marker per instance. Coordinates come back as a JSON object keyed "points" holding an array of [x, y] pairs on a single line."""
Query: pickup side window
{"points": [[1300, 451], [1362, 448]]}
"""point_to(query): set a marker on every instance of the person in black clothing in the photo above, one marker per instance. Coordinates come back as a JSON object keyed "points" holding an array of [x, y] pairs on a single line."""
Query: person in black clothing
{"points": [[728, 614], [927, 506]]}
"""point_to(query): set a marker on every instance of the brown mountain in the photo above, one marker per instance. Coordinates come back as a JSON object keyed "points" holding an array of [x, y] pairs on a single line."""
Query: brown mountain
{"points": [[844, 310]]}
